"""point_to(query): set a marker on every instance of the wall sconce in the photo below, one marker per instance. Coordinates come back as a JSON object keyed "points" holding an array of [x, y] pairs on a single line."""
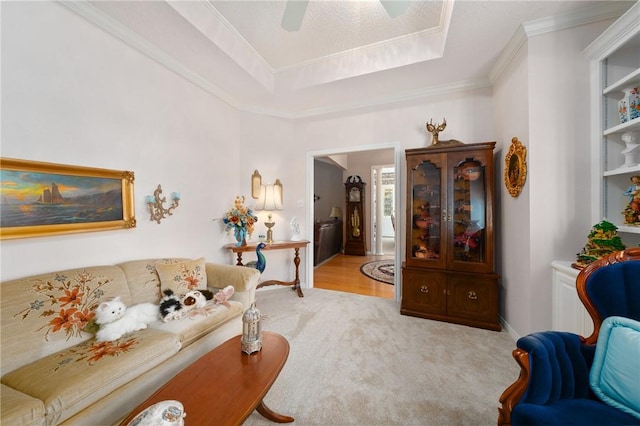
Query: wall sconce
{"points": [[336, 213], [156, 201], [270, 199], [256, 182]]}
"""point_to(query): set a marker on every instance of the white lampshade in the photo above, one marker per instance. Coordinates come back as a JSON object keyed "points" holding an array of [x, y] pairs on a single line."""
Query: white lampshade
{"points": [[270, 198]]}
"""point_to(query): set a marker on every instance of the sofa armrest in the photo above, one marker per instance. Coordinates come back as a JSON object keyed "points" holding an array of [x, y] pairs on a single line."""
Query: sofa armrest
{"points": [[244, 281], [554, 365]]}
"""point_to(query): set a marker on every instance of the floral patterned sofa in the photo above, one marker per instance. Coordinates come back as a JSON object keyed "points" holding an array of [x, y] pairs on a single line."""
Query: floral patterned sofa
{"points": [[53, 372]]}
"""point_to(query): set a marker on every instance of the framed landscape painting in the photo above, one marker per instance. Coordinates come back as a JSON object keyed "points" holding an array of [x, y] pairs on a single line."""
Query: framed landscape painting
{"points": [[38, 199]]}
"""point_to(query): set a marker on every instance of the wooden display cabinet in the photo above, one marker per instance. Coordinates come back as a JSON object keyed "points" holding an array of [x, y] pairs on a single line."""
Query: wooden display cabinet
{"points": [[355, 240], [448, 273]]}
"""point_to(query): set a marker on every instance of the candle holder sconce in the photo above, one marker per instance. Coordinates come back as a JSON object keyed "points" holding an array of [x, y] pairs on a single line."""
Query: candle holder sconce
{"points": [[156, 204]]}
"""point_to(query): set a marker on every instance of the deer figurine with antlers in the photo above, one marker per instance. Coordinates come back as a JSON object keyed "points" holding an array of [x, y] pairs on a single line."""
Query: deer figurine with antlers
{"points": [[435, 129]]}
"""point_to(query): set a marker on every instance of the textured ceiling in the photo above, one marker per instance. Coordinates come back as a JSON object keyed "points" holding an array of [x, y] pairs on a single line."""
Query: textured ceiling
{"points": [[328, 27], [346, 54]]}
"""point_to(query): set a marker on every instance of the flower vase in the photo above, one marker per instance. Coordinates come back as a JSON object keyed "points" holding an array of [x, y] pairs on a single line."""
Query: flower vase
{"points": [[629, 105], [241, 236]]}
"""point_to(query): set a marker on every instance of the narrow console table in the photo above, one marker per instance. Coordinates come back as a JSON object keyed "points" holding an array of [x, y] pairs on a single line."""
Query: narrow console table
{"points": [[276, 245]]}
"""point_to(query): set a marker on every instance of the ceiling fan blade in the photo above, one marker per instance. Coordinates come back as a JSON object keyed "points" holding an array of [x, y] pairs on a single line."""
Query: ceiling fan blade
{"points": [[293, 14], [395, 8]]}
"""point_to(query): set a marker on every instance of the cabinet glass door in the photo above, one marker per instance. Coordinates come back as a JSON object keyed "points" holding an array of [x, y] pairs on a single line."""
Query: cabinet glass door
{"points": [[425, 214], [468, 220]]}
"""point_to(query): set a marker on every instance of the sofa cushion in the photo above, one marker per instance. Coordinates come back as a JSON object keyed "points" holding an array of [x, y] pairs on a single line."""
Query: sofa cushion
{"points": [[615, 372], [16, 408], [183, 276], [73, 379], [49, 311], [198, 322], [143, 279]]}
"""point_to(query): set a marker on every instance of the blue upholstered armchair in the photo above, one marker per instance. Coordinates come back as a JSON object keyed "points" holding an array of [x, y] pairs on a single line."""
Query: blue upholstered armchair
{"points": [[553, 387]]}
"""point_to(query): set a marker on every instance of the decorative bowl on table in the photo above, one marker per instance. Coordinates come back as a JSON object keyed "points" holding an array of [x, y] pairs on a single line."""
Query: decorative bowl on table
{"points": [[164, 413]]}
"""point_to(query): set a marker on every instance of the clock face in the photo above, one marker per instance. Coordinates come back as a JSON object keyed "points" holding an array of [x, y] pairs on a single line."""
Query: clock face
{"points": [[354, 195]]}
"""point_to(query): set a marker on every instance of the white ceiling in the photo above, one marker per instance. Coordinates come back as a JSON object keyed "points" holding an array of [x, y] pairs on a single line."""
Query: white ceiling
{"points": [[346, 55]]}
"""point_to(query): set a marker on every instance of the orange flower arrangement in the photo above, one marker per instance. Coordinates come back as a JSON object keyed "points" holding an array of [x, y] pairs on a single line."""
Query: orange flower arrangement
{"points": [[240, 217]]}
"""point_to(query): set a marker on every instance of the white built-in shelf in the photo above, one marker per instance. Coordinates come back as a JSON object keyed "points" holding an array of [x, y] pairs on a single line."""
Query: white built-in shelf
{"points": [[630, 80], [629, 229], [622, 171], [624, 127], [615, 66]]}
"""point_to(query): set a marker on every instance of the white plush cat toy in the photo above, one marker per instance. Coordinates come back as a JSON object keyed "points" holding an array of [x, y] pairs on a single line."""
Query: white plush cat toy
{"points": [[116, 320]]}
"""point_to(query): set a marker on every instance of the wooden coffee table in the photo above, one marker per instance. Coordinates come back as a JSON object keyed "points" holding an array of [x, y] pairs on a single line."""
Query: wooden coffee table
{"points": [[226, 385]]}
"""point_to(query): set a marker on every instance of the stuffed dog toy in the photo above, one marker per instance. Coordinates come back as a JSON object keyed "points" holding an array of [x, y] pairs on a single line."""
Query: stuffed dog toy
{"points": [[173, 306], [194, 299]]}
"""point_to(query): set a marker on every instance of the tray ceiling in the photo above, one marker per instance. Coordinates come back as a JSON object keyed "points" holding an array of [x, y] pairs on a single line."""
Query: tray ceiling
{"points": [[345, 55]]}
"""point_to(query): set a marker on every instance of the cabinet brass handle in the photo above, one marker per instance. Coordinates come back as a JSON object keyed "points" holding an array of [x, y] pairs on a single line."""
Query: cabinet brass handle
{"points": [[424, 289], [472, 295]]}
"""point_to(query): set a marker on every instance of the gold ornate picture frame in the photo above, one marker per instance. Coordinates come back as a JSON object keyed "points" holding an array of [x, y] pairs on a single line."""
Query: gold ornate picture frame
{"points": [[42, 199], [515, 167]]}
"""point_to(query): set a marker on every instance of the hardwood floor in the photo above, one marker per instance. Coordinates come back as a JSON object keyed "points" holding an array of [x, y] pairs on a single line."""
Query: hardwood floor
{"points": [[342, 273]]}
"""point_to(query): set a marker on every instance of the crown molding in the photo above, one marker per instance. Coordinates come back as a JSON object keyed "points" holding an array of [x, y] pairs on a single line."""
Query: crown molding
{"points": [[572, 19], [204, 17], [113, 27], [403, 97], [507, 55], [551, 24], [116, 29], [615, 35], [541, 26]]}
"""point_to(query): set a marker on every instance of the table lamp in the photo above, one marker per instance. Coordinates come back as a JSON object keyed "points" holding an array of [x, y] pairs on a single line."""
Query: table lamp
{"points": [[270, 200], [335, 213]]}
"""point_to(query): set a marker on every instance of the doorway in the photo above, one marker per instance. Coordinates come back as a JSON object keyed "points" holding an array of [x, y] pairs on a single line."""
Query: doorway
{"points": [[383, 215], [391, 197]]}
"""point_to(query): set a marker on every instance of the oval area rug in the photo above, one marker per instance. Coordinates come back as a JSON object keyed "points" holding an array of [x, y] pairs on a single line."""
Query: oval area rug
{"points": [[379, 270]]}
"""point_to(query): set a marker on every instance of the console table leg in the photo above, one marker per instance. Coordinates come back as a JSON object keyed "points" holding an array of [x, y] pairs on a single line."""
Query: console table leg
{"points": [[296, 261], [272, 415]]}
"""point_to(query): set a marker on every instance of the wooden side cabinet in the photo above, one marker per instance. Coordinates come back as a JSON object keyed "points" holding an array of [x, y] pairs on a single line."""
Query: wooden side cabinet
{"points": [[355, 238], [448, 273]]}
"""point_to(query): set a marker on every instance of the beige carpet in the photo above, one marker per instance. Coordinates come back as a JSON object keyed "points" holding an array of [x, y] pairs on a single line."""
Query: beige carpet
{"points": [[355, 360]]}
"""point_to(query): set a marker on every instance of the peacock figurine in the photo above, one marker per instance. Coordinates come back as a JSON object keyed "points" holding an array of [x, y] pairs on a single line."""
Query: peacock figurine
{"points": [[261, 263]]}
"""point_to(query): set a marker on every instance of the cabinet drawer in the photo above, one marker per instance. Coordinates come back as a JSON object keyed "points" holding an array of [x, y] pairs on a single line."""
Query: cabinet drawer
{"points": [[474, 299], [424, 291]]}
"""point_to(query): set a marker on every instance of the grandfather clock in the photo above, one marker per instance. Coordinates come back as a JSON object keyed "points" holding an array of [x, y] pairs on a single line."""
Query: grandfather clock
{"points": [[355, 243]]}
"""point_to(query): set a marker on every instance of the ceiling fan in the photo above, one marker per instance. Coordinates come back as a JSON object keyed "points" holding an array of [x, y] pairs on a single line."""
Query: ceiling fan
{"points": [[295, 9]]}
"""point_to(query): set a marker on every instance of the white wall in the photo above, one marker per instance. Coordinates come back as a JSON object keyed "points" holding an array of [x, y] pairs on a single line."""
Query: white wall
{"points": [[266, 144], [542, 99], [73, 94], [329, 186], [560, 196], [513, 239]]}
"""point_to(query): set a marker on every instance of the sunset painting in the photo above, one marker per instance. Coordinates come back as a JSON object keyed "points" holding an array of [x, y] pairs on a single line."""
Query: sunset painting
{"points": [[29, 199]]}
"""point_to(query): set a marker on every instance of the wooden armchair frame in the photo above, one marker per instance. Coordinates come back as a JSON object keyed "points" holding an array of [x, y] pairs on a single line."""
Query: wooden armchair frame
{"points": [[513, 394]]}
